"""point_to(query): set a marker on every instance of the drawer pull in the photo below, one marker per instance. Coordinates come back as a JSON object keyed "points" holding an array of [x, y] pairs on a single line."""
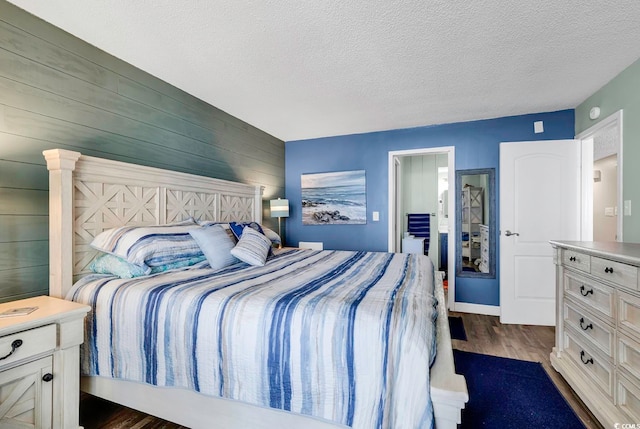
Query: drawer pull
{"points": [[14, 346], [572, 258], [584, 328], [588, 361], [47, 377], [582, 291], [608, 270]]}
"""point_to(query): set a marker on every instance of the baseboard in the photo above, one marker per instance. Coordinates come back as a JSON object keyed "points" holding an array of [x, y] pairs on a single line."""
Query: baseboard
{"points": [[465, 307]]}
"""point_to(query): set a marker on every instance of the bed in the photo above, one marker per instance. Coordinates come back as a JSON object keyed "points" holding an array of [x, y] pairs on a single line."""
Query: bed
{"points": [[419, 388]]}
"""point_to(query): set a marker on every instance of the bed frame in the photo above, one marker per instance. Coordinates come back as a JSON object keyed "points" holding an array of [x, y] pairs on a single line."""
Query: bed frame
{"points": [[88, 195]]}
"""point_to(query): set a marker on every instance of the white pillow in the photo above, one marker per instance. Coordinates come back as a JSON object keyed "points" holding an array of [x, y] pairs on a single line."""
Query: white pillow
{"points": [[216, 245], [252, 248]]}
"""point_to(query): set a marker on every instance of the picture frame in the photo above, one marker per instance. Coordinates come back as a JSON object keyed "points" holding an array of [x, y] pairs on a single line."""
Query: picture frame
{"points": [[334, 198]]}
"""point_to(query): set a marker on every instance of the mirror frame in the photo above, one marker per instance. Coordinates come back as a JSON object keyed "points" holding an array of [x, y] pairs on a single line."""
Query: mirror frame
{"points": [[492, 223]]}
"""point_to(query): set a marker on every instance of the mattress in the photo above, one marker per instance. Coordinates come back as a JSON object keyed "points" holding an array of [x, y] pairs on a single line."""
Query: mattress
{"points": [[344, 336]]}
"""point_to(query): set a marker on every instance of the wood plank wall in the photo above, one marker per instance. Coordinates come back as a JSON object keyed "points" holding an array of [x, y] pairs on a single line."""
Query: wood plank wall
{"points": [[57, 91]]}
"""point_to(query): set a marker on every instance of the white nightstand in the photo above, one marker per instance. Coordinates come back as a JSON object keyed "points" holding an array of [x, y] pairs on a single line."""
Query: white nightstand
{"points": [[313, 245], [39, 364]]}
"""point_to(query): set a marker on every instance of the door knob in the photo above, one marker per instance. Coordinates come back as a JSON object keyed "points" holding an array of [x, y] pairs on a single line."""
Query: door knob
{"points": [[509, 233]]}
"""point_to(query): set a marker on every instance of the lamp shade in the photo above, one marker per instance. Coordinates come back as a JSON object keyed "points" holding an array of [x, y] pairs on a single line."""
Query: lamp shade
{"points": [[279, 208]]}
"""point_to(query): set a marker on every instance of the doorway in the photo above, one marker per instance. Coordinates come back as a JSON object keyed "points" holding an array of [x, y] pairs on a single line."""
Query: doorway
{"points": [[439, 165], [602, 203]]}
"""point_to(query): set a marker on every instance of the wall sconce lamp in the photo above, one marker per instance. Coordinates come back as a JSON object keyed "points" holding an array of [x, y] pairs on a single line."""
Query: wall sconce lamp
{"points": [[279, 209]]}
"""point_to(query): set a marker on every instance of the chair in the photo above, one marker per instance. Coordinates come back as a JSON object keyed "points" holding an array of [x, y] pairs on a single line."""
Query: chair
{"points": [[418, 225]]}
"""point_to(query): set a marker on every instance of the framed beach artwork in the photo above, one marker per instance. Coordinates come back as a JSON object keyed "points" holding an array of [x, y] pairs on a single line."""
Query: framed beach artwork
{"points": [[334, 198]]}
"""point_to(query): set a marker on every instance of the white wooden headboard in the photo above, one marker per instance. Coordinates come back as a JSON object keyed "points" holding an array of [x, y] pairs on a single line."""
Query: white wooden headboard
{"points": [[88, 195]]}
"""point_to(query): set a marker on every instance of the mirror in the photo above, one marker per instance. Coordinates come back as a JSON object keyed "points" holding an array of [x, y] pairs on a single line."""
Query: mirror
{"points": [[475, 223]]}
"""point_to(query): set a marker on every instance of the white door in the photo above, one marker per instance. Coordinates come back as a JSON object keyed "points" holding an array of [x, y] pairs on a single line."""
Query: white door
{"points": [[539, 201]]}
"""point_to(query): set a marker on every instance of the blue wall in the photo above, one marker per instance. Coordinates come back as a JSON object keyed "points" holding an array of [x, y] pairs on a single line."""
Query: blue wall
{"points": [[477, 146]]}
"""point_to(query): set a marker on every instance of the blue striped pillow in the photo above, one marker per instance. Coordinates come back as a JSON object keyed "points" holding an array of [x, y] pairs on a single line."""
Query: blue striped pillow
{"points": [[252, 248], [150, 245], [238, 227]]}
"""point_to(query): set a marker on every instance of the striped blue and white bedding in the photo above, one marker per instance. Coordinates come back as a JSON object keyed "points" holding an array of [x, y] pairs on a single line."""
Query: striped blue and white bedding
{"points": [[344, 336]]}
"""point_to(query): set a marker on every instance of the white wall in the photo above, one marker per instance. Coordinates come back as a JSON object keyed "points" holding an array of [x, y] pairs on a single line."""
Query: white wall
{"points": [[420, 193]]}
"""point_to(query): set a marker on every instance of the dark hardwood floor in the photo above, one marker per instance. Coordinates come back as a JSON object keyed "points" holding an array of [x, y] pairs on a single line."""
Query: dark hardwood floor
{"points": [[485, 334], [96, 413]]}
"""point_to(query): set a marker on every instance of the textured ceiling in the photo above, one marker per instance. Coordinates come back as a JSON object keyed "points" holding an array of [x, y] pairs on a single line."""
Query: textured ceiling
{"points": [[302, 69]]}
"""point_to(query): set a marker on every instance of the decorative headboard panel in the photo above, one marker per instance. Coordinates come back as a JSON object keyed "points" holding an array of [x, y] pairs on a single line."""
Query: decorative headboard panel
{"points": [[88, 195]]}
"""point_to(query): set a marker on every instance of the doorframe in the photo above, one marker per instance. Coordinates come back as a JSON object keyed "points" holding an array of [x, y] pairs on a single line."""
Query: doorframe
{"points": [[586, 145], [393, 209]]}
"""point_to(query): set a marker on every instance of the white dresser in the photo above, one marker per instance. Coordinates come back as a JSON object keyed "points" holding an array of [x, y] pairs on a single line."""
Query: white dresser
{"points": [[484, 249], [598, 326]]}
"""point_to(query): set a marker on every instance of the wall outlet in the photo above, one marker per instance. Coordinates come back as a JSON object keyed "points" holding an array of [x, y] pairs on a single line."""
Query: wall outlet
{"points": [[376, 216]]}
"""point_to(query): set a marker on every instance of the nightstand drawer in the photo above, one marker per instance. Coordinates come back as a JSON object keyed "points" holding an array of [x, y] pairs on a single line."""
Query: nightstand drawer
{"points": [[30, 401], [23, 345]]}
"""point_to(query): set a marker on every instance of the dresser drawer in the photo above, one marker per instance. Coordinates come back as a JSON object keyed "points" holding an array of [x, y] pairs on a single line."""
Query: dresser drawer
{"points": [[484, 238], [599, 333], [615, 272], [629, 313], [589, 362], [484, 260], [31, 343], [629, 355], [590, 293], [628, 396], [576, 260]]}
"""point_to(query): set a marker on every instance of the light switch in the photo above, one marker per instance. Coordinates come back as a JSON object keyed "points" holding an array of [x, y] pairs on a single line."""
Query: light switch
{"points": [[609, 211], [627, 207], [376, 216]]}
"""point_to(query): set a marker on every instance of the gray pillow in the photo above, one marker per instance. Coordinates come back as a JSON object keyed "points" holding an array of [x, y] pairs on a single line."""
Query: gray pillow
{"points": [[216, 245]]}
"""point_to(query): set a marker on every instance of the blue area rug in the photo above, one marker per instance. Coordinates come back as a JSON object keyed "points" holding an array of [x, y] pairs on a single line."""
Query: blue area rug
{"points": [[511, 394], [457, 328]]}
